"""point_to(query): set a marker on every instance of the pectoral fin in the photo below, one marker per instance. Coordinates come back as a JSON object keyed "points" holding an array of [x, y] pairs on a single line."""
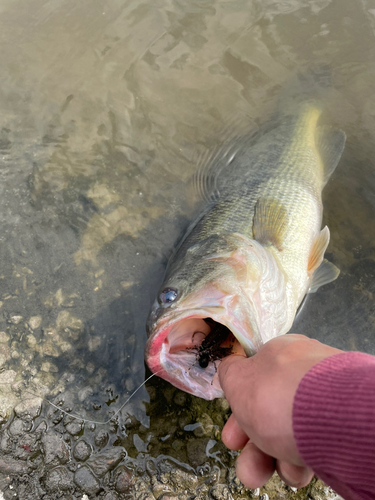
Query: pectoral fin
{"points": [[270, 222], [325, 273]]}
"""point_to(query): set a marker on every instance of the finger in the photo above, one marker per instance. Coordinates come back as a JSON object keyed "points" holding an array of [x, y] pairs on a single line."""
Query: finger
{"points": [[295, 476], [233, 436], [254, 468]]}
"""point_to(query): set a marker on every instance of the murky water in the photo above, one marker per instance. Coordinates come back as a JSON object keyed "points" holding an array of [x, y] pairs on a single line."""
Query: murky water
{"points": [[104, 108]]}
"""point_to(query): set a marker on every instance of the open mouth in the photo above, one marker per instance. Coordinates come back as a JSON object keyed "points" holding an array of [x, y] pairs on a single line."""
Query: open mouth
{"points": [[190, 352]]}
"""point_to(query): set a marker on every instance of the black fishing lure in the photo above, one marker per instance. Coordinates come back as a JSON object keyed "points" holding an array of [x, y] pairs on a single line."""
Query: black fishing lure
{"points": [[210, 349]]}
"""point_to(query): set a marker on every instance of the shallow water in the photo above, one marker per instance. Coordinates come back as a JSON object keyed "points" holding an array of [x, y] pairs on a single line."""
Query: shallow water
{"points": [[104, 109]]}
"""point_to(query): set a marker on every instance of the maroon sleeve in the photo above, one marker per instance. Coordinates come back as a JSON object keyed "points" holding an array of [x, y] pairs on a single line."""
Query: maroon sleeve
{"points": [[334, 423]]}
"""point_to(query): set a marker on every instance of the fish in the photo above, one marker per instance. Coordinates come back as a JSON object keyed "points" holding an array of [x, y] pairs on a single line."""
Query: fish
{"points": [[253, 254]]}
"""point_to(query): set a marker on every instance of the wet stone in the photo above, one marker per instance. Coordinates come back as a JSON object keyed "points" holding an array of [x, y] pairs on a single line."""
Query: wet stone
{"points": [[82, 451], [5, 443], [27, 446], [55, 450], [101, 439], [85, 480], [74, 427], [196, 451], [111, 495], [35, 322], [29, 408], [180, 398], [17, 427], [15, 319], [59, 479], [10, 466], [124, 480], [106, 461]]}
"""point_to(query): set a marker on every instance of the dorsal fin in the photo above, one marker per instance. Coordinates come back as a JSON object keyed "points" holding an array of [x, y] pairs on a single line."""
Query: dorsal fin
{"points": [[317, 250], [330, 144], [213, 161], [270, 222]]}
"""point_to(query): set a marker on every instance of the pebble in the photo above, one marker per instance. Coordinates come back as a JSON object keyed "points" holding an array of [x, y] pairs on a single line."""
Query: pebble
{"points": [[111, 495], [10, 466], [106, 461], [82, 451], [35, 322], [124, 480], [101, 439], [29, 408], [4, 337], [17, 427], [15, 319], [55, 450], [85, 480], [7, 376], [180, 398], [58, 479], [74, 428], [196, 451]]}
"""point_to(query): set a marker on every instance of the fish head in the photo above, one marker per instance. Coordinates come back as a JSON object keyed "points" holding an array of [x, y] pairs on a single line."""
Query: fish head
{"points": [[220, 280]]}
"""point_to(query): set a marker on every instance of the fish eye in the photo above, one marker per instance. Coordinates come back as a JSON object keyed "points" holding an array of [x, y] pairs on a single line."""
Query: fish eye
{"points": [[168, 295]]}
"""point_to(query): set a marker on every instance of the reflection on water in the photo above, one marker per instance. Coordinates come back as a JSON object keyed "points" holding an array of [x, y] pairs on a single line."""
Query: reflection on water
{"points": [[104, 109]]}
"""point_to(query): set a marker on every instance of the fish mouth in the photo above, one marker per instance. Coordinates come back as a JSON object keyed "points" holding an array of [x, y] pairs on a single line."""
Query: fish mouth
{"points": [[188, 351]]}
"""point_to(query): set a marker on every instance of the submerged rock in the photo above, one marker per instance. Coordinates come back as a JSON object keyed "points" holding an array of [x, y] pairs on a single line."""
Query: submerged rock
{"points": [[86, 480]]}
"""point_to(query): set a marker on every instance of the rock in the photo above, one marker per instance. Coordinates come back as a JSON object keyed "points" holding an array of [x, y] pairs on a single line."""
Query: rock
{"points": [[55, 450], [31, 341], [106, 461], [28, 409], [74, 428], [35, 322], [7, 377], [15, 319], [82, 451], [180, 398], [67, 320], [59, 479], [196, 451], [125, 479], [101, 439], [27, 446], [111, 495], [4, 337], [5, 443], [4, 354], [17, 427], [10, 466], [7, 402], [221, 492], [85, 480]]}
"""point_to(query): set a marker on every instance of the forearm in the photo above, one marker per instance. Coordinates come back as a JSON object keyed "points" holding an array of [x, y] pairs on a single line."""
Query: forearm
{"points": [[334, 423]]}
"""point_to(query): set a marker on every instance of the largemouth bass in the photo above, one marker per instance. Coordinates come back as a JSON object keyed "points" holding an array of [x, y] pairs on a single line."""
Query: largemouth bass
{"points": [[241, 272]]}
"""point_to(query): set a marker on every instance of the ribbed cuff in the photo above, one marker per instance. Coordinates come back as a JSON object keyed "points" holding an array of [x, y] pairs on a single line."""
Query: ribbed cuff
{"points": [[334, 422]]}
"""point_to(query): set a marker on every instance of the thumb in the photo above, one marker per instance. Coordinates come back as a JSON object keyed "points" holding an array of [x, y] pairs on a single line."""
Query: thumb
{"points": [[230, 373]]}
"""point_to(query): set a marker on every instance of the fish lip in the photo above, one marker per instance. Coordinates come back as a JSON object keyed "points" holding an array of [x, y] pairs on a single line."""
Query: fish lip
{"points": [[158, 359]]}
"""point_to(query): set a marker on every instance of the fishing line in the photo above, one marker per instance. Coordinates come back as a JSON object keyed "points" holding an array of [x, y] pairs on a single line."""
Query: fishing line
{"points": [[77, 417]]}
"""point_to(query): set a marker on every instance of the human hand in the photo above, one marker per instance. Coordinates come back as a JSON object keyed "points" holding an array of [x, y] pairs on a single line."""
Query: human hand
{"points": [[260, 391]]}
